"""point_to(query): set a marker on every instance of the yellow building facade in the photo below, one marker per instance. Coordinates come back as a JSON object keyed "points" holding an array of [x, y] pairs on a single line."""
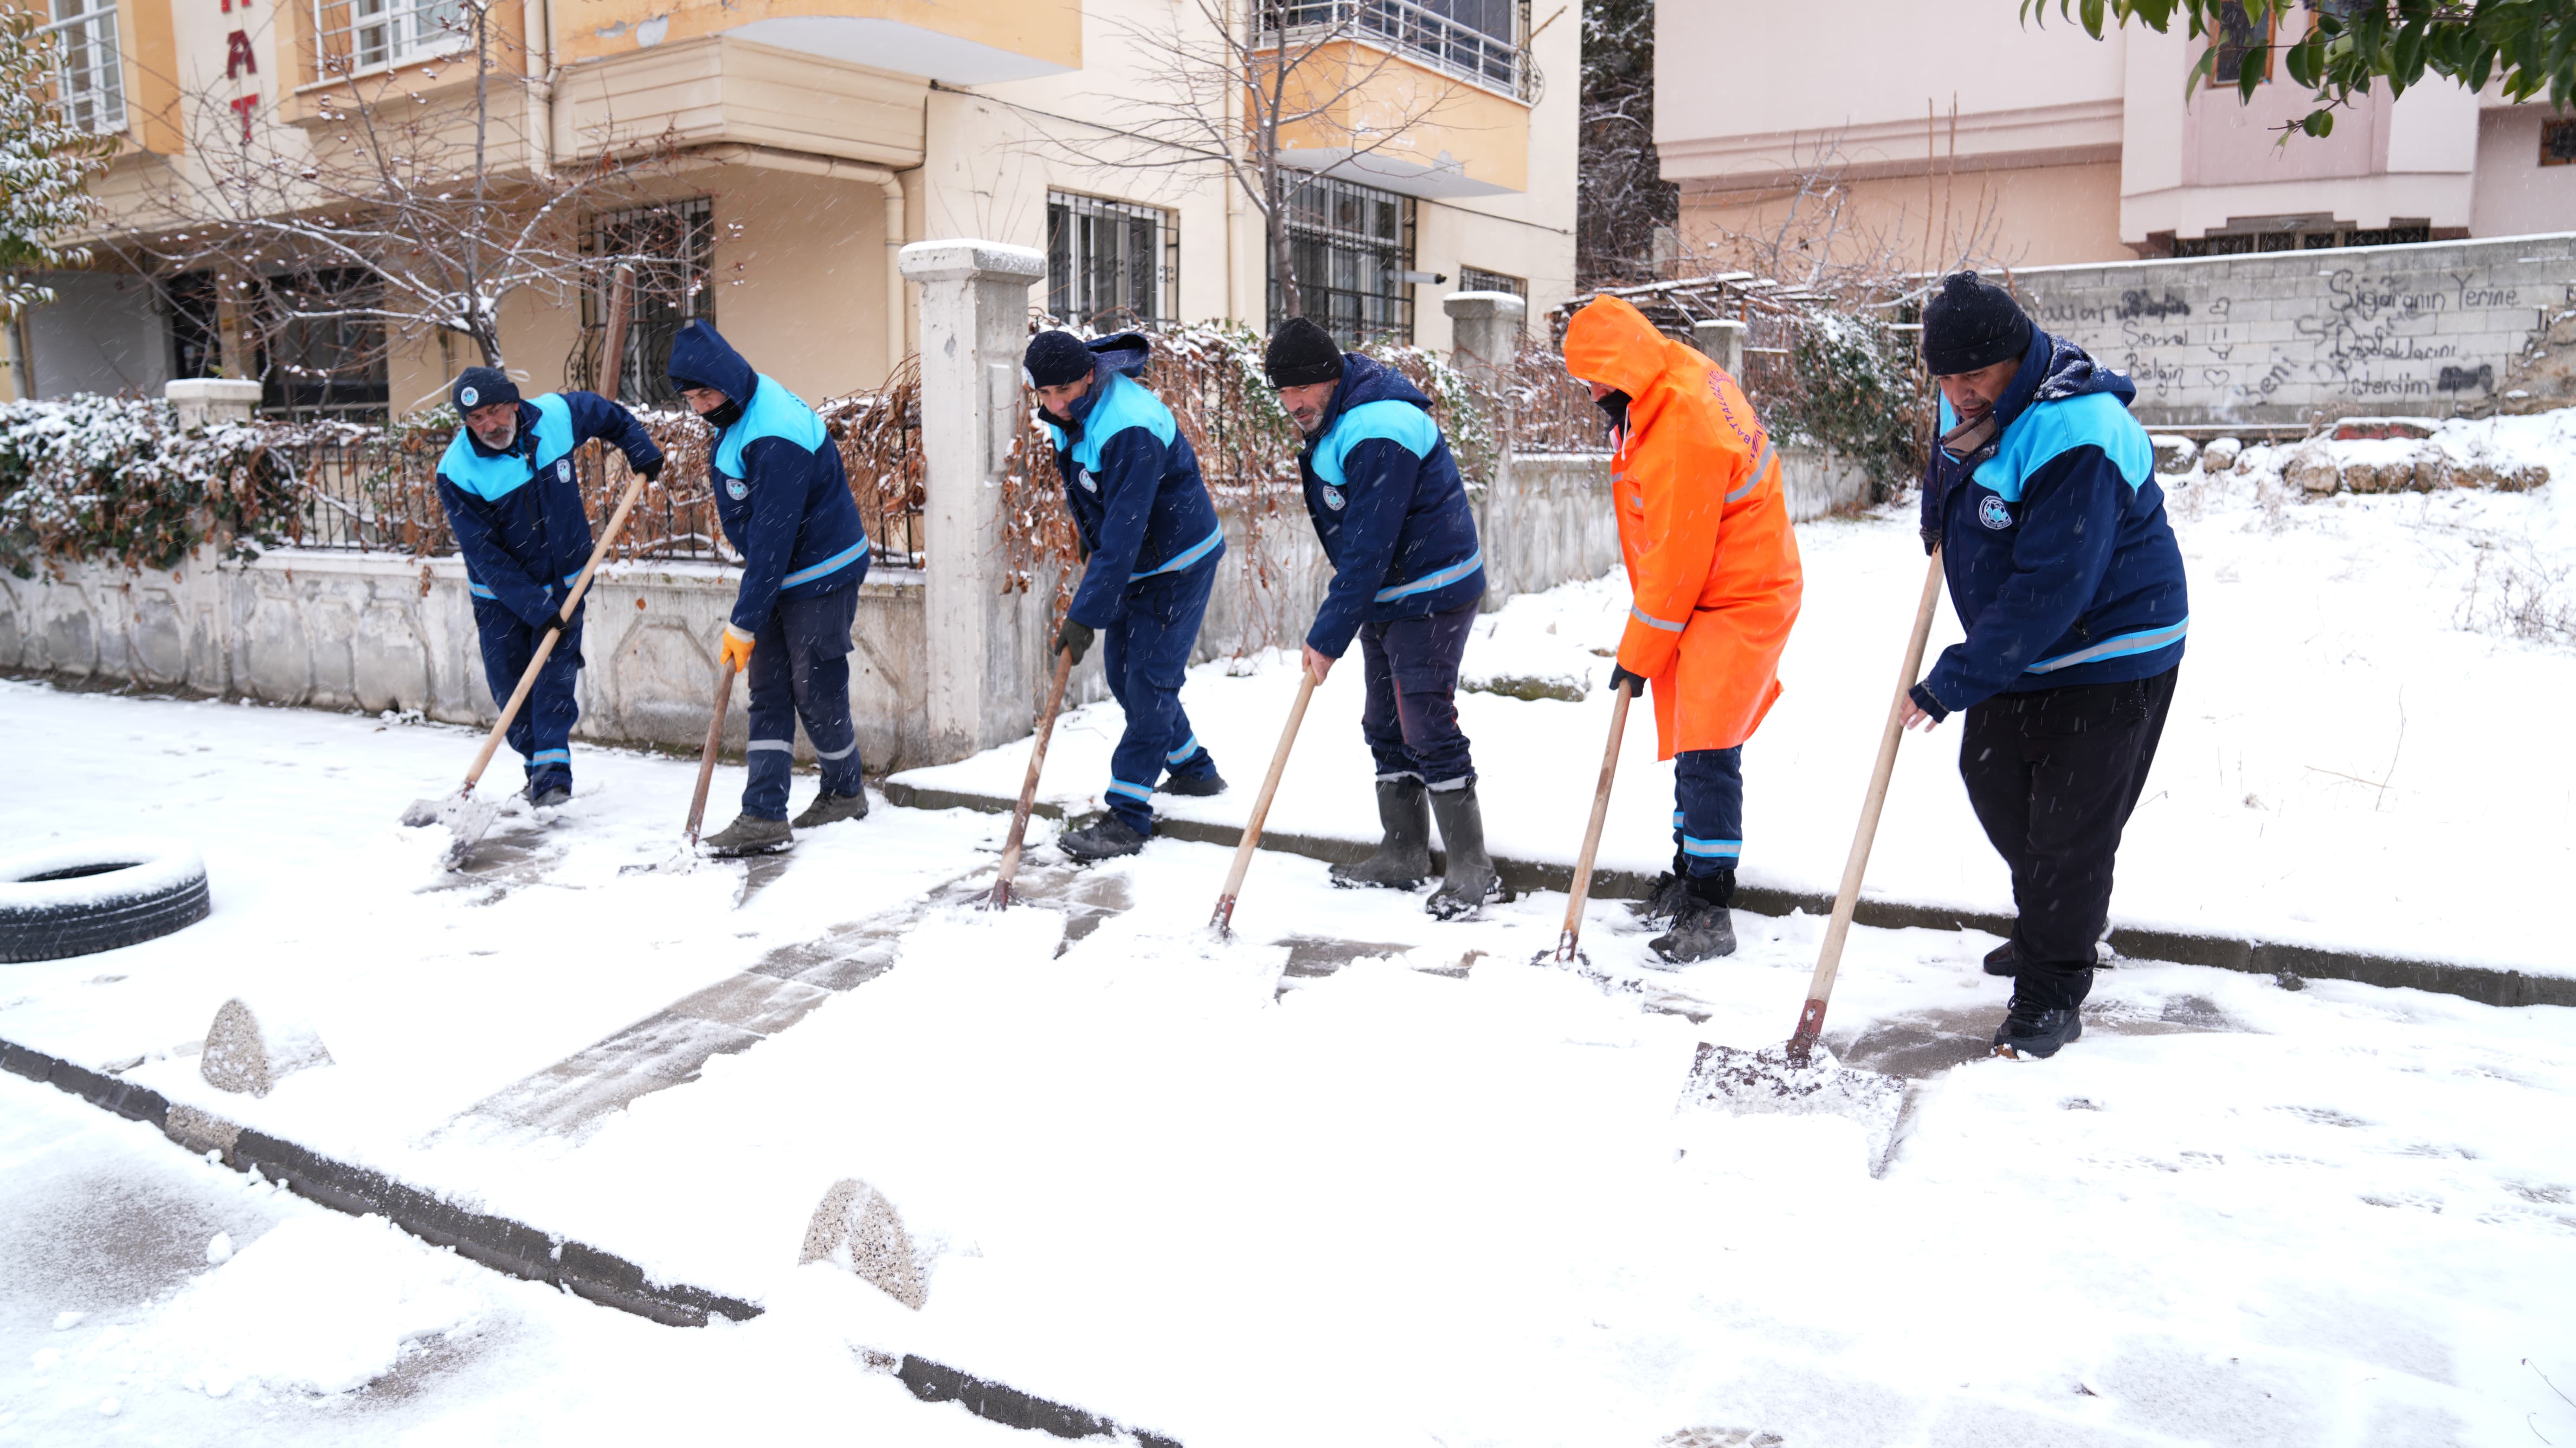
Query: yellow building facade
{"points": [[771, 157]]}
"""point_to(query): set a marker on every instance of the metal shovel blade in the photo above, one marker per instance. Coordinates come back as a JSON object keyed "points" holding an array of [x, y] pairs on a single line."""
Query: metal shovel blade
{"points": [[465, 817], [1727, 1078]]}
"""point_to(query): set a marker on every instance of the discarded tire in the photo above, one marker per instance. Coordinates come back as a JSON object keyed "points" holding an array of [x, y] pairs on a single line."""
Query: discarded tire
{"points": [[97, 895]]}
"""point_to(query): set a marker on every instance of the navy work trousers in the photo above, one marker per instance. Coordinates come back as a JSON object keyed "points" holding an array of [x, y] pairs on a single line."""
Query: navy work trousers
{"points": [[1708, 808], [542, 732], [1146, 654], [1411, 717], [2053, 775], [800, 669]]}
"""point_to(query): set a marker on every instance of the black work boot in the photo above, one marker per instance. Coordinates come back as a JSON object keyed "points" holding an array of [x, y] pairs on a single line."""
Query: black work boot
{"points": [[1664, 898], [1105, 838], [829, 808], [1472, 880], [750, 835], [2034, 1027], [1195, 785], [1403, 857], [549, 795], [2004, 960], [1705, 928]]}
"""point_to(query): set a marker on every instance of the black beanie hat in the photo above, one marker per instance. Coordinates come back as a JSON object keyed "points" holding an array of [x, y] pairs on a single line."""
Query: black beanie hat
{"points": [[481, 387], [1301, 353], [1056, 359], [1971, 324]]}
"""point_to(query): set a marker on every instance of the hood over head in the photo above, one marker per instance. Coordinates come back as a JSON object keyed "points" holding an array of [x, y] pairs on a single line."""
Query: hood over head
{"points": [[1612, 343], [701, 357]]}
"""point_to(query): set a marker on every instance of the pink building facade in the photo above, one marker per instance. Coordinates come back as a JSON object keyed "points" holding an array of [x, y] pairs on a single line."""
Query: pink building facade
{"points": [[1930, 134]]}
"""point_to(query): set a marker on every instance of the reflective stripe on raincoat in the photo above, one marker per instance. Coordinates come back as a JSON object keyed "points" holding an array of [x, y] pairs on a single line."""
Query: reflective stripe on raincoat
{"points": [[1703, 525]]}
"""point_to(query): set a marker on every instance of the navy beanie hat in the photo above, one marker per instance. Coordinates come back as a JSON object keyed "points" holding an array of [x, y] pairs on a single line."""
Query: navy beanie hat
{"points": [[1300, 354], [1056, 359], [1971, 323], [481, 387]]}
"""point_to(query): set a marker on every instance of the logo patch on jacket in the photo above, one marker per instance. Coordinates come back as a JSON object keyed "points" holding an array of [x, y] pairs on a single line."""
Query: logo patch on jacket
{"points": [[1992, 512], [1332, 497], [563, 470], [1083, 476], [737, 489]]}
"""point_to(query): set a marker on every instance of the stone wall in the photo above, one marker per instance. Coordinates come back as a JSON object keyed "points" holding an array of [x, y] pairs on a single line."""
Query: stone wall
{"points": [[2283, 339]]}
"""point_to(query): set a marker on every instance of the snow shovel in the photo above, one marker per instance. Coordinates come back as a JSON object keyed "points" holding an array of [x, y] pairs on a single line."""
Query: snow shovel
{"points": [[1001, 897], [466, 817], [1797, 1078], [1223, 921], [685, 858], [1566, 952]]}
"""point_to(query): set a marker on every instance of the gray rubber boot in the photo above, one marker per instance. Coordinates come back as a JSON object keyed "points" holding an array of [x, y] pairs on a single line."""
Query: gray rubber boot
{"points": [[1403, 857], [1705, 929], [1472, 880], [750, 835]]}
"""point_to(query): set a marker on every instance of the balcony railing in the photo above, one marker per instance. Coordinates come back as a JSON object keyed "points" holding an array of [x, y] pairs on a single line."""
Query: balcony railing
{"points": [[88, 73], [1415, 31]]}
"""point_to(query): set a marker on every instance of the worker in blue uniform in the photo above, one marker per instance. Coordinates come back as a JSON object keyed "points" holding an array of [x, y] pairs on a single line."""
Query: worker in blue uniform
{"points": [[784, 503], [513, 500], [1150, 542]]}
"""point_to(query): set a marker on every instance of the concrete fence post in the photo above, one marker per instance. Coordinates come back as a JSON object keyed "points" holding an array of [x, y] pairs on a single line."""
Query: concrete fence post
{"points": [[1723, 342], [1485, 329], [982, 641], [212, 401]]}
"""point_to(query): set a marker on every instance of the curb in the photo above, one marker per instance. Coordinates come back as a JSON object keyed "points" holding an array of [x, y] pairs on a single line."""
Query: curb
{"points": [[2484, 984], [518, 1249]]}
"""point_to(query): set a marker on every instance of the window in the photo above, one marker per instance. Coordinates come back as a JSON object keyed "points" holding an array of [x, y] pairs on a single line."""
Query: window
{"points": [[673, 251], [1475, 40], [324, 366], [1477, 279], [89, 77], [356, 34], [196, 326], [1108, 263], [1351, 246], [2558, 143], [2240, 41]]}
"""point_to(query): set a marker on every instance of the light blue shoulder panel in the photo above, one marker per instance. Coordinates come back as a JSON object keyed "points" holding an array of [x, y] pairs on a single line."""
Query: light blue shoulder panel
{"points": [[491, 478], [1126, 405], [2050, 429], [774, 412], [1402, 423]]}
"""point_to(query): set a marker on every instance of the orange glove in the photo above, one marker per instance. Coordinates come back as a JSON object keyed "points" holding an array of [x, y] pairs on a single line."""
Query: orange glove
{"points": [[735, 649]]}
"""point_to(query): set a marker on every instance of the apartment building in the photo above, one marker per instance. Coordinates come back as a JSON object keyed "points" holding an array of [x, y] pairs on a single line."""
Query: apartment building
{"points": [[1958, 129], [784, 150]]}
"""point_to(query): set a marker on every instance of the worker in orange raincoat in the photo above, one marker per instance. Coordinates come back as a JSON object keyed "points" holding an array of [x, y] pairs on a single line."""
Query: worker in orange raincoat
{"points": [[1713, 568]]}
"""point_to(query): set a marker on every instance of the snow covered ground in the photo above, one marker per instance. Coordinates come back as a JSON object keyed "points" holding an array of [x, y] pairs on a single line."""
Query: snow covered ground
{"points": [[1357, 1177], [2359, 756]]}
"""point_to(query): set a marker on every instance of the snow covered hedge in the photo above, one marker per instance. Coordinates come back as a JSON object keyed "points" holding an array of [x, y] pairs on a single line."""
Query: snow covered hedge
{"points": [[117, 479]]}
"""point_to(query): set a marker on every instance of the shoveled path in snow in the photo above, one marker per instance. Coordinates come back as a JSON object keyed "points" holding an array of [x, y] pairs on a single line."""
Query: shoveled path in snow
{"points": [[1436, 1194]]}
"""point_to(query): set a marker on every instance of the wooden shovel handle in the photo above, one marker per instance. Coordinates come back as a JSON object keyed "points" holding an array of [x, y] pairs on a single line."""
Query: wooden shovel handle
{"points": [[707, 756], [1820, 989], [1224, 917], [1029, 786], [1565, 942]]}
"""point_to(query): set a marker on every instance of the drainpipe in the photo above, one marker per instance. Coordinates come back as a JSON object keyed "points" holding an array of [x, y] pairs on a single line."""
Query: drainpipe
{"points": [[895, 334]]}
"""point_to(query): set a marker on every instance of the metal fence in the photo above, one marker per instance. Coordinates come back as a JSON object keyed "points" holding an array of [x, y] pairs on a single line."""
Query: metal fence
{"points": [[375, 489]]}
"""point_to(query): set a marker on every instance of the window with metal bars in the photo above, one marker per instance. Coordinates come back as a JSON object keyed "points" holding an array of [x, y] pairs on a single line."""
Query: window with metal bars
{"points": [[1481, 41], [673, 251], [89, 77], [1109, 263], [1351, 246]]}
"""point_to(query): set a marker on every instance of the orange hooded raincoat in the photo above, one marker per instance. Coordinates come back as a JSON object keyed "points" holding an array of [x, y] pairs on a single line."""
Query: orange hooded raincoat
{"points": [[1703, 524]]}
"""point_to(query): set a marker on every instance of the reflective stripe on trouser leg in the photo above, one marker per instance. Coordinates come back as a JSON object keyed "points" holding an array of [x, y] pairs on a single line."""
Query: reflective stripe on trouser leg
{"points": [[772, 720], [1147, 654], [1708, 785], [542, 731], [816, 635]]}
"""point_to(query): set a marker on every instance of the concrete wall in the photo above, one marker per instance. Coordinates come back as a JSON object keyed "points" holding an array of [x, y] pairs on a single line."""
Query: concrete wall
{"points": [[372, 632], [2284, 338]]}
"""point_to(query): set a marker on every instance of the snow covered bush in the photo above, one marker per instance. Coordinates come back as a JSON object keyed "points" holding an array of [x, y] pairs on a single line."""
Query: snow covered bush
{"points": [[116, 479], [1854, 389]]}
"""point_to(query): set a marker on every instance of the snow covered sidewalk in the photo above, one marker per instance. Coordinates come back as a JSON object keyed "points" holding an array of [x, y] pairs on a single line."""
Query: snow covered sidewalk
{"points": [[2359, 759], [1360, 1178]]}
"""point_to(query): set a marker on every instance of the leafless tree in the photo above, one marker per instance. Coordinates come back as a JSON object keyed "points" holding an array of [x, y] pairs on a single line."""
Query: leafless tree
{"points": [[402, 217], [1822, 237], [1241, 88], [1622, 198]]}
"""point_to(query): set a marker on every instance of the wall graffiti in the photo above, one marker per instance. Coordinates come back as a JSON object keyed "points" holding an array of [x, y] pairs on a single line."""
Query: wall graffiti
{"points": [[2283, 338]]}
